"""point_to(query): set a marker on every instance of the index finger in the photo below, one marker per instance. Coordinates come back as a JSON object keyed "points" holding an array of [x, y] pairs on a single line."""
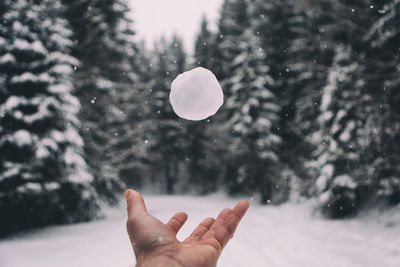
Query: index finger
{"points": [[240, 209], [231, 222]]}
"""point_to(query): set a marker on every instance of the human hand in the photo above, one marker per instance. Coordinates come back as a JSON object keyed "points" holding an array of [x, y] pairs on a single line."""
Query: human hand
{"points": [[155, 243]]}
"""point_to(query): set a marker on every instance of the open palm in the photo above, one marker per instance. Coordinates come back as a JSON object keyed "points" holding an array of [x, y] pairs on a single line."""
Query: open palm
{"points": [[154, 241]]}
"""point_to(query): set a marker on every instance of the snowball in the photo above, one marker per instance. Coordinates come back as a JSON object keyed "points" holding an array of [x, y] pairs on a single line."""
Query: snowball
{"points": [[196, 94]]}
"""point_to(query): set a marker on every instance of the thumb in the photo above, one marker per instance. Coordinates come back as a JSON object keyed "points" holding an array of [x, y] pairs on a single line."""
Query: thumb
{"points": [[135, 203]]}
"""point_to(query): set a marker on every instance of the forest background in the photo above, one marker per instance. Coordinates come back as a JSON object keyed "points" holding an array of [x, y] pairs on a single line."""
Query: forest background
{"points": [[312, 107]]}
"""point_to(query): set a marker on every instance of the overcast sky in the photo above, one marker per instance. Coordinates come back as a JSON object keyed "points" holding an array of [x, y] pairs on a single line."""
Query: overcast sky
{"points": [[153, 18]]}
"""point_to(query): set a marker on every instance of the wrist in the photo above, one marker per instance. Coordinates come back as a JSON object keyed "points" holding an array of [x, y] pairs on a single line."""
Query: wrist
{"points": [[158, 261]]}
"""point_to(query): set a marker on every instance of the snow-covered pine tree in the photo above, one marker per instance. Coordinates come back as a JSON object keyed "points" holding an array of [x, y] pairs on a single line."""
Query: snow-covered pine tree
{"points": [[382, 74], [43, 176], [201, 154], [166, 131], [128, 107], [204, 46], [253, 120], [233, 21], [339, 154], [103, 44], [129, 155], [296, 66], [355, 164]]}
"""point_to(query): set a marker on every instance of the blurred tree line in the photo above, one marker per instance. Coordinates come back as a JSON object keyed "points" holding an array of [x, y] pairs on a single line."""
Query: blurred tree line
{"points": [[312, 107]]}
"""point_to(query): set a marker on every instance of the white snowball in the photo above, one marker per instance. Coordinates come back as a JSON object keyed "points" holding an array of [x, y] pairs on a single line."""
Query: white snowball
{"points": [[196, 94]]}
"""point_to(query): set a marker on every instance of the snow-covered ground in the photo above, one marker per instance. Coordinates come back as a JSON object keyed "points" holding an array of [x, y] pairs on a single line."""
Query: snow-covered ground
{"points": [[284, 236]]}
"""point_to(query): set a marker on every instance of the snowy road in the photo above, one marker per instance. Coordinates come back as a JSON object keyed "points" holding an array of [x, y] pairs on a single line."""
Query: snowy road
{"points": [[285, 236]]}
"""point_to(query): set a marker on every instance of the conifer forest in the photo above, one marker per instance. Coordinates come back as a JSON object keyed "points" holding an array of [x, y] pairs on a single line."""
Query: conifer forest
{"points": [[311, 108]]}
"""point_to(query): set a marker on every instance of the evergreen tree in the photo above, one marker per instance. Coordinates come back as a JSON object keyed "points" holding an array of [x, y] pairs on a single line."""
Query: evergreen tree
{"points": [[383, 80], [166, 131], [43, 176], [253, 119], [131, 108], [241, 63], [202, 156], [340, 117], [297, 65], [356, 116], [204, 46], [201, 153], [103, 44], [233, 21]]}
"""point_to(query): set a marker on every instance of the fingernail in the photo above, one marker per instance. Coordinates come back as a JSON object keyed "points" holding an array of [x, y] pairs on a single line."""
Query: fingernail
{"points": [[126, 194]]}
